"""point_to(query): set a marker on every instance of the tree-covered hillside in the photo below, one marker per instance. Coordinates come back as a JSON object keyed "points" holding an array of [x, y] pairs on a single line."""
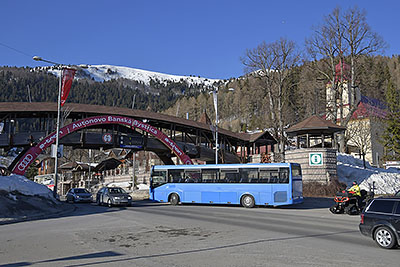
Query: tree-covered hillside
{"points": [[26, 84], [243, 102]]}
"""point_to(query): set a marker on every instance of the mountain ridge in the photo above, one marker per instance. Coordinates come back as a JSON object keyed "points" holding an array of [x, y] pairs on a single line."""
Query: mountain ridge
{"points": [[101, 73]]}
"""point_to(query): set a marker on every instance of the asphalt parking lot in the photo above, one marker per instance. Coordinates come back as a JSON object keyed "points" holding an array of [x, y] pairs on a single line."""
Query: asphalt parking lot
{"points": [[158, 234]]}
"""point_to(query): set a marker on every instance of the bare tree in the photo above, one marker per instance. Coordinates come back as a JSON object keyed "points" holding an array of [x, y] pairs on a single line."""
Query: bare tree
{"points": [[358, 133], [360, 41], [343, 36], [325, 46], [273, 65]]}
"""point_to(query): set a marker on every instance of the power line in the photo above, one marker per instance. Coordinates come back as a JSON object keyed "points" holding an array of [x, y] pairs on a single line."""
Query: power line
{"points": [[16, 50]]}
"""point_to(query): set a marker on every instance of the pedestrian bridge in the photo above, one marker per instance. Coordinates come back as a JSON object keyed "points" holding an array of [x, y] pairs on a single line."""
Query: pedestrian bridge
{"points": [[25, 124]]}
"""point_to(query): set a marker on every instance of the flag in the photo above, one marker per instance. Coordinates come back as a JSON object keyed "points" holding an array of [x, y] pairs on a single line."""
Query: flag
{"points": [[215, 96], [67, 76]]}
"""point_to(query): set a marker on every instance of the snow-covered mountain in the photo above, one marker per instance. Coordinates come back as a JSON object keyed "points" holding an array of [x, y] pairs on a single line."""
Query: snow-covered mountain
{"points": [[102, 73]]}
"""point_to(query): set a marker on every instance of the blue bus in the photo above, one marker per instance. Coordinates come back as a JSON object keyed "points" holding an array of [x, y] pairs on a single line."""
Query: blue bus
{"points": [[269, 184]]}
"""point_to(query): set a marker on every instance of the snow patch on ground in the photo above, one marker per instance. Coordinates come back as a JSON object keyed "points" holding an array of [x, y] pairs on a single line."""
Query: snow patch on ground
{"points": [[120, 184], [349, 169], [24, 186], [143, 187]]}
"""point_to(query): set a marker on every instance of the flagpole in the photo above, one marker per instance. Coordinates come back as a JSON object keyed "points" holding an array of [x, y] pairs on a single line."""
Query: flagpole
{"points": [[61, 67]]}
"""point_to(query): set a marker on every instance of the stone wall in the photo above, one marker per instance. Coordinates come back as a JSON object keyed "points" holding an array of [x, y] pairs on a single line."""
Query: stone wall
{"points": [[324, 173]]}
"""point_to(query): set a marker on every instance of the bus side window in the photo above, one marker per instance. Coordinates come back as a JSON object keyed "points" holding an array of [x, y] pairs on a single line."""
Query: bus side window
{"points": [[234, 177], [223, 178], [229, 176], [176, 176], [209, 176], [248, 176], [264, 176], [274, 177], [192, 176], [296, 170], [159, 178], [284, 176]]}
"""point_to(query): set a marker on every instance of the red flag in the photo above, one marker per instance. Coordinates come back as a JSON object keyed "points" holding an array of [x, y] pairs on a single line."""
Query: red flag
{"points": [[67, 78]]}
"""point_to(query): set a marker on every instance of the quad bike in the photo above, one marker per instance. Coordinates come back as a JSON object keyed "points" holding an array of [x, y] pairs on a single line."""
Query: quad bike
{"points": [[347, 202]]}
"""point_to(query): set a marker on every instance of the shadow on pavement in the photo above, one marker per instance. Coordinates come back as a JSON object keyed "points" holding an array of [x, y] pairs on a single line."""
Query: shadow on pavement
{"points": [[20, 211], [313, 203], [105, 254], [81, 209]]}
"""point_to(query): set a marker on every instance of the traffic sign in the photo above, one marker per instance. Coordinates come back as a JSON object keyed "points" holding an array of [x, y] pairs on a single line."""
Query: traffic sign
{"points": [[107, 138], [315, 159]]}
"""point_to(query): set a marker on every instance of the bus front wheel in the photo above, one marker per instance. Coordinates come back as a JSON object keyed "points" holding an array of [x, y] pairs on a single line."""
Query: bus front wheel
{"points": [[174, 199], [248, 201]]}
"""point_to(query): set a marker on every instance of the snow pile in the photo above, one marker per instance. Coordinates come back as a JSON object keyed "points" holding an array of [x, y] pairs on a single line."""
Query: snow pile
{"points": [[24, 186], [143, 187], [386, 181]]}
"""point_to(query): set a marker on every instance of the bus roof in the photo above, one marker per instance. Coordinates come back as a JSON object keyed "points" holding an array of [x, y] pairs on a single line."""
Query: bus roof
{"points": [[222, 166]]}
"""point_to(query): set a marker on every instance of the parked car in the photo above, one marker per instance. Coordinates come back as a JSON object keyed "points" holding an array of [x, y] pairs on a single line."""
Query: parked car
{"points": [[113, 196], [397, 194], [381, 221], [79, 195]]}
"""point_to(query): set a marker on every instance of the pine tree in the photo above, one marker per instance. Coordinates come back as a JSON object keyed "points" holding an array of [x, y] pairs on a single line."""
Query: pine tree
{"points": [[391, 136]]}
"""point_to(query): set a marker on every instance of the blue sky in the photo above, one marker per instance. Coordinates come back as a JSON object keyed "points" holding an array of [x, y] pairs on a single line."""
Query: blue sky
{"points": [[183, 37]]}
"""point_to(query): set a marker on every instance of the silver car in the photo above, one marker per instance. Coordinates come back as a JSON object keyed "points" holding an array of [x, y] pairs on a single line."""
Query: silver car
{"points": [[78, 195], [113, 196]]}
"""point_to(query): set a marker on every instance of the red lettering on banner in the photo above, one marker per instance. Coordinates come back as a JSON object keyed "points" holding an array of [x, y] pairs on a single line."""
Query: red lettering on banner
{"points": [[33, 152]]}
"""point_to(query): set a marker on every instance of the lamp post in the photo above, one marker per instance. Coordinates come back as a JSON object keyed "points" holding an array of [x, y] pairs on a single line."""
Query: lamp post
{"points": [[58, 120], [215, 97]]}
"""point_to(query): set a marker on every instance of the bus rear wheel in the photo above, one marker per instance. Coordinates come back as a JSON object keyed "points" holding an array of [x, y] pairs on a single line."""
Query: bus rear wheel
{"points": [[248, 201], [174, 199]]}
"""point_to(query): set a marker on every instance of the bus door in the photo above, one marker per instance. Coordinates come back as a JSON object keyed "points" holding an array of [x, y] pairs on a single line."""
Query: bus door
{"points": [[157, 179], [297, 182]]}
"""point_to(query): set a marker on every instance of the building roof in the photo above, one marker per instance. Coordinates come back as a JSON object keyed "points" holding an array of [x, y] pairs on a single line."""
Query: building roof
{"points": [[370, 107], [314, 125], [108, 164], [31, 109]]}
